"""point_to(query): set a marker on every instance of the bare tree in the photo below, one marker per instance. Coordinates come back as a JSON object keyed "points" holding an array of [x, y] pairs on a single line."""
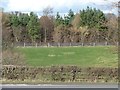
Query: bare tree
{"points": [[48, 11], [47, 28]]}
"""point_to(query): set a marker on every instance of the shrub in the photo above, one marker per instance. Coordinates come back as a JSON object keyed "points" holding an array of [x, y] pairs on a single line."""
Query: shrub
{"points": [[11, 57]]}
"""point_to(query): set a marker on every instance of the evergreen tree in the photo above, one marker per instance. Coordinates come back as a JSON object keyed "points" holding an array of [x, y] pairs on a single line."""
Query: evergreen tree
{"points": [[23, 19], [15, 25], [59, 20], [92, 18], [70, 16], [33, 27], [14, 20]]}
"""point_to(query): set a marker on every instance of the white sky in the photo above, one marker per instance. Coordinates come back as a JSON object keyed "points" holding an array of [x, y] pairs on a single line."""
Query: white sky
{"points": [[59, 5]]}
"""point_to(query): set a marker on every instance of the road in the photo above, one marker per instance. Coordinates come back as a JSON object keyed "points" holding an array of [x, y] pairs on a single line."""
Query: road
{"points": [[60, 86]]}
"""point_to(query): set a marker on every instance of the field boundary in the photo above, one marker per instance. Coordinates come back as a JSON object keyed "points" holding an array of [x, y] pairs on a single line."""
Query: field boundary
{"points": [[63, 44], [60, 74]]}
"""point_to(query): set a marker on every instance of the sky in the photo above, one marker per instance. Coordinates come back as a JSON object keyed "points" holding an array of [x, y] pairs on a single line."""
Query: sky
{"points": [[61, 6]]}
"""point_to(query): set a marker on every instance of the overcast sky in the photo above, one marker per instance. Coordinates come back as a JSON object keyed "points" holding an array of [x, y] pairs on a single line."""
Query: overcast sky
{"points": [[58, 5]]}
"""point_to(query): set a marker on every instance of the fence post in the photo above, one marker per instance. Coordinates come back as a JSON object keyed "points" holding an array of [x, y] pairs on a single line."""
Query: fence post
{"points": [[24, 44], [36, 45], [58, 44], [90, 44], [70, 44], [94, 44], [12, 44], [117, 43], [82, 44], [106, 43], [48, 44]]}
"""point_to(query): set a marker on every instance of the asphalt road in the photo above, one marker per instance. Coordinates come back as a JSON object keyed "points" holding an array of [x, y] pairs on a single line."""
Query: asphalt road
{"points": [[60, 86]]}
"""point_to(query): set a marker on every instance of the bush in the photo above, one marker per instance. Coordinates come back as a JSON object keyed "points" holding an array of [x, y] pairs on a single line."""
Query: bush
{"points": [[66, 73], [11, 57]]}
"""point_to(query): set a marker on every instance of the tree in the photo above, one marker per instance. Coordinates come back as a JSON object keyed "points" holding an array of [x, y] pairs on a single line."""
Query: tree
{"points": [[92, 18], [65, 26], [70, 16], [57, 34], [58, 20], [112, 32], [66, 20], [15, 24], [95, 21], [48, 11], [47, 27], [7, 32], [24, 19], [76, 21], [90, 25], [33, 27], [19, 23]]}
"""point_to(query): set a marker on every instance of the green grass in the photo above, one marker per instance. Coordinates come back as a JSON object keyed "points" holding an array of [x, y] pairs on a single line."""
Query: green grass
{"points": [[80, 56]]}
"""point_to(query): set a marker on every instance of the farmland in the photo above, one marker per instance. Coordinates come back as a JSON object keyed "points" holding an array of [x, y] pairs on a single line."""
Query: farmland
{"points": [[49, 47], [64, 56]]}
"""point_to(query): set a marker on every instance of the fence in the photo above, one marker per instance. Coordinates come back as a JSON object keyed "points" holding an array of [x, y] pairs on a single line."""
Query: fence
{"points": [[64, 44]]}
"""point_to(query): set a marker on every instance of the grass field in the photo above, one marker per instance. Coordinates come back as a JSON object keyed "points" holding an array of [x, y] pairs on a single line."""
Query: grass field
{"points": [[80, 56]]}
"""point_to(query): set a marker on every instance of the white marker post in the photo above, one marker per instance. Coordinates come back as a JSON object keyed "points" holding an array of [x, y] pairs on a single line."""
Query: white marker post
{"points": [[24, 44]]}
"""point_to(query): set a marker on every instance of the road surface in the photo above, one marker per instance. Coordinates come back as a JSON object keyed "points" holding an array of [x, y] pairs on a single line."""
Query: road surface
{"points": [[60, 86]]}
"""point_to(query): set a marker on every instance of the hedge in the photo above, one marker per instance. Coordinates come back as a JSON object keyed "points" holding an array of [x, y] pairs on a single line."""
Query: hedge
{"points": [[60, 73]]}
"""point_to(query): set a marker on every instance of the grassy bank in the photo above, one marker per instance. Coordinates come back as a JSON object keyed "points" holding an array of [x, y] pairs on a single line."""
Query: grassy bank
{"points": [[80, 56]]}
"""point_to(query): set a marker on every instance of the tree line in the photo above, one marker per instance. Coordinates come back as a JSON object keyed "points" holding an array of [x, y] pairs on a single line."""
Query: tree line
{"points": [[89, 25]]}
